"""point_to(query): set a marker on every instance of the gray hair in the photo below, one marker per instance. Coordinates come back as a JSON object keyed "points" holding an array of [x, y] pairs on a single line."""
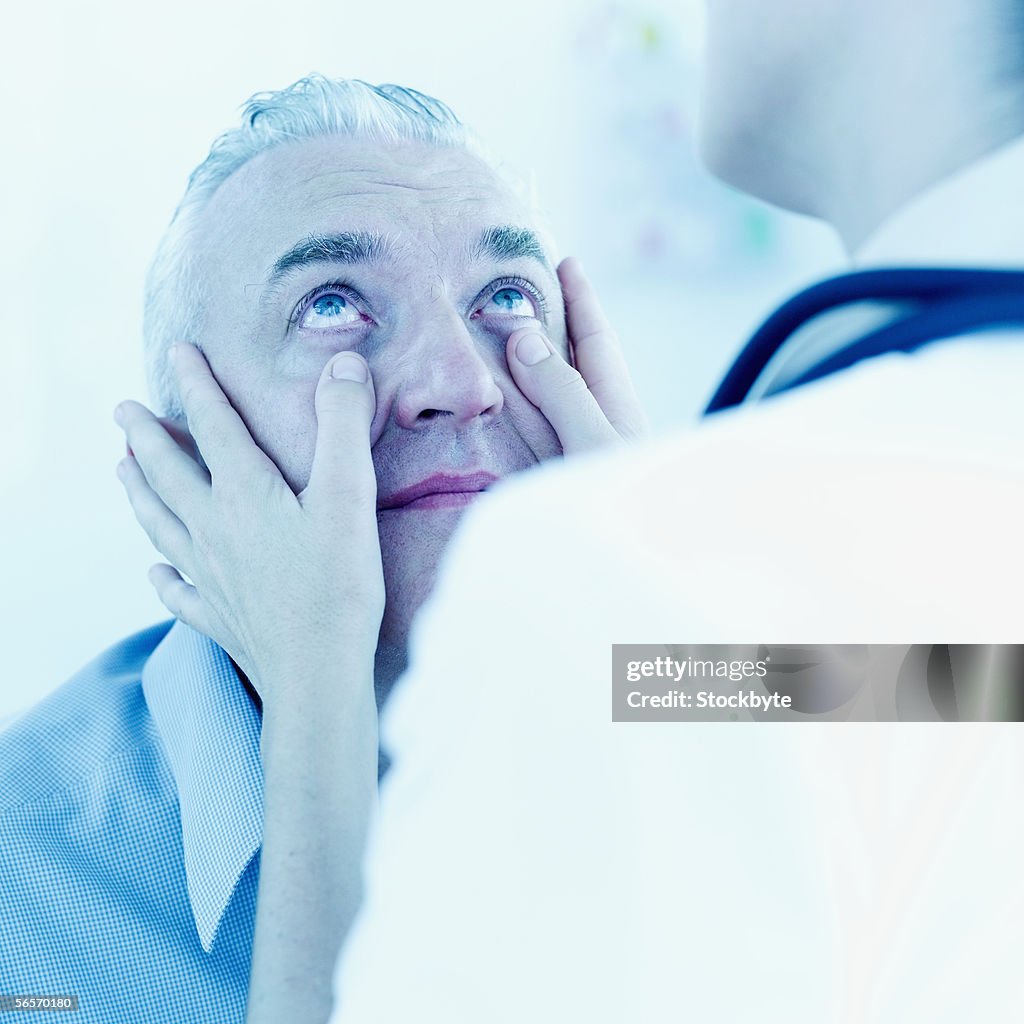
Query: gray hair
{"points": [[310, 108]]}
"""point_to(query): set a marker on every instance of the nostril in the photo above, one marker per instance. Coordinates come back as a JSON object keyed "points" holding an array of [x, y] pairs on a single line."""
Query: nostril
{"points": [[430, 414]]}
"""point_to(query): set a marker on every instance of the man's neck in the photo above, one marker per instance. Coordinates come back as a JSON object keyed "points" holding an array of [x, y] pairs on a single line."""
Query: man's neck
{"points": [[391, 662], [248, 687]]}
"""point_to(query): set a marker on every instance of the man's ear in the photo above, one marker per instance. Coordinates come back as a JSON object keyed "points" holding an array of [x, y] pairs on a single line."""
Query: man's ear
{"points": [[178, 429]]}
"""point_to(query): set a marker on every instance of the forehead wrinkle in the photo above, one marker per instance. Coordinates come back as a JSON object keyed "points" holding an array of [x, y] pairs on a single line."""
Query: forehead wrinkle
{"points": [[407, 187], [412, 179]]}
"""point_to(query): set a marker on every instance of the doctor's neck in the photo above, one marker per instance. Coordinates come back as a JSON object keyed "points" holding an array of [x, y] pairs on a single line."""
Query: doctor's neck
{"points": [[910, 103]]}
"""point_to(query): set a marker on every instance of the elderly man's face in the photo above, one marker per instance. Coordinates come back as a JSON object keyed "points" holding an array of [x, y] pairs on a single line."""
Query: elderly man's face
{"points": [[421, 260]]}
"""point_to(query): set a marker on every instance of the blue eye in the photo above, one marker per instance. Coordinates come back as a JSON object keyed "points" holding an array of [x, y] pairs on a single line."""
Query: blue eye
{"points": [[512, 302], [330, 310]]}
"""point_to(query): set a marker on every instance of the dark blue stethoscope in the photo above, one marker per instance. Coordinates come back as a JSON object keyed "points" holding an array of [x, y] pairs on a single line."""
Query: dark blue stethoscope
{"points": [[938, 304]]}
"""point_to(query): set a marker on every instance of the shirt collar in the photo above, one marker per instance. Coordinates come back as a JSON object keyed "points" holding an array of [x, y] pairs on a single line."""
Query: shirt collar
{"points": [[211, 733], [974, 217]]}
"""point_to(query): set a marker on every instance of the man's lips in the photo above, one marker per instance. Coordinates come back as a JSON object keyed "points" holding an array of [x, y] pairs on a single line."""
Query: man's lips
{"points": [[442, 490]]}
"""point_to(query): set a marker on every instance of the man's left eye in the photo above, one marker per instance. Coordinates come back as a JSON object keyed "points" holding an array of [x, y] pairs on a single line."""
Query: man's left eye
{"points": [[510, 301]]}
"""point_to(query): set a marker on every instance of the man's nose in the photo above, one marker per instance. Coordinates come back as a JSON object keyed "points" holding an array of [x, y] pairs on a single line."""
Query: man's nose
{"points": [[447, 376]]}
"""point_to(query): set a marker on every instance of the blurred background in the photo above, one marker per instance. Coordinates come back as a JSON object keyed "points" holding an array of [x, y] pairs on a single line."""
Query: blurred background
{"points": [[108, 107]]}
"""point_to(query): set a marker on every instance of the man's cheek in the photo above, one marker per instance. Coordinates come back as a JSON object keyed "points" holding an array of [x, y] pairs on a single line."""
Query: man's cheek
{"points": [[531, 425], [283, 423]]}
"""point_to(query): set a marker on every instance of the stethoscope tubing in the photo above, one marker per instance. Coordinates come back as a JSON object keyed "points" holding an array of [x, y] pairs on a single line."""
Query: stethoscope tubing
{"points": [[947, 302]]}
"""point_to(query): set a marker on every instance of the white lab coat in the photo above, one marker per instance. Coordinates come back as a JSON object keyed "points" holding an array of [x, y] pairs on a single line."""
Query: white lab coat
{"points": [[534, 862]]}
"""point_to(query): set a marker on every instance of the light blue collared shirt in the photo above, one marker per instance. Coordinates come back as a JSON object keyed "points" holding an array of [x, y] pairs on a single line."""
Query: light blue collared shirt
{"points": [[131, 816]]}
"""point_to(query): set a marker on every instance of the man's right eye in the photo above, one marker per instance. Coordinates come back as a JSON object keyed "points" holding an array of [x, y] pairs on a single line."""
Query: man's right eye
{"points": [[328, 308]]}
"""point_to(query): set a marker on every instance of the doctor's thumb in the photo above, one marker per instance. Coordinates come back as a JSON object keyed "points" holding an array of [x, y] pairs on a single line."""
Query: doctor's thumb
{"points": [[559, 391], [345, 404]]}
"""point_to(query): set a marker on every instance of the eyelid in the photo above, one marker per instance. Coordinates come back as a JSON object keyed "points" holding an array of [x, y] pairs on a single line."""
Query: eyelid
{"points": [[329, 288], [513, 282]]}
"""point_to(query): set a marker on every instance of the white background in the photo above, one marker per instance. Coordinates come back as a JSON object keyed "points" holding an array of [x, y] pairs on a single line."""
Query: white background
{"points": [[107, 107]]}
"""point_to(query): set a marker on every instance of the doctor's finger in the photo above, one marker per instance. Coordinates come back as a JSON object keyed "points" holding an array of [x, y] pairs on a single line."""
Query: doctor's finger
{"points": [[597, 352], [179, 597], [342, 474], [223, 439], [559, 391], [179, 434], [179, 480], [167, 533]]}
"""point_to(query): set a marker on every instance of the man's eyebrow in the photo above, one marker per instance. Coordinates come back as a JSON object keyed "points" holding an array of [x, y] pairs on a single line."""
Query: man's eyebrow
{"points": [[341, 247], [506, 243]]}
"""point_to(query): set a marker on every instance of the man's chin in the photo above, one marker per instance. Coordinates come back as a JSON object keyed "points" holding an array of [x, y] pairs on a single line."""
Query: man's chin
{"points": [[413, 541]]}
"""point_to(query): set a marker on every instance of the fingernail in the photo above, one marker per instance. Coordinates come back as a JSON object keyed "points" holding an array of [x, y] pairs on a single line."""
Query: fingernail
{"points": [[532, 349], [118, 414], [349, 367]]}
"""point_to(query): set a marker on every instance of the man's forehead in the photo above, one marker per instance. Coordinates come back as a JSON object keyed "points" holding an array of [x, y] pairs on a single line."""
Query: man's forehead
{"points": [[412, 193]]}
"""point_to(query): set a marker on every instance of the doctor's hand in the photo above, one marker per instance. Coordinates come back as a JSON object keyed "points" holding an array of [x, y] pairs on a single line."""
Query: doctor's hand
{"points": [[594, 404], [291, 586]]}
